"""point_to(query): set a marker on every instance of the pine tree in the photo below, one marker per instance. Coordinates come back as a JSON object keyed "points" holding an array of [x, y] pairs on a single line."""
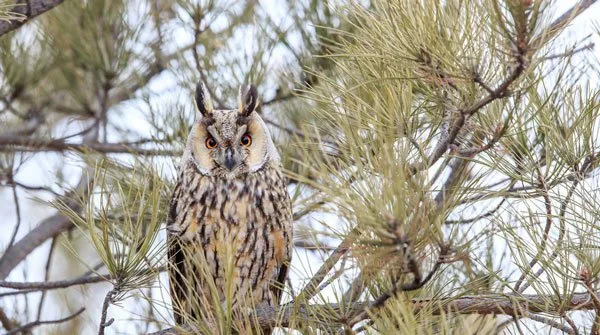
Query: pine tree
{"points": [[441, 156]]}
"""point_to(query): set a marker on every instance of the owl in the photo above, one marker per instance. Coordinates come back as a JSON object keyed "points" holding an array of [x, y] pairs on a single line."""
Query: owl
{"points": [[229, 226]]}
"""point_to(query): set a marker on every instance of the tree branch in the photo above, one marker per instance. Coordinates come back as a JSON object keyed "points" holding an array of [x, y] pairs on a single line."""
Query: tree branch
{"points": [[312, 287], [6, 322], [548, 321], [29, 9], [502, 89], [548, 206], [30, 325], [107, 300], [463, 114], [579, 176], [512, 305], [52, 285], [561, 22], [49, 227], [416, 284], [23, 143], [46, 277]]}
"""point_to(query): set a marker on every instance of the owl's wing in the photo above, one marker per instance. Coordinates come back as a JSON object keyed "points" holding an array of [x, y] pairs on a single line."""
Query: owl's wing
{"points": [[176, 264], [177, 277], [277, 289], [285, 243]]}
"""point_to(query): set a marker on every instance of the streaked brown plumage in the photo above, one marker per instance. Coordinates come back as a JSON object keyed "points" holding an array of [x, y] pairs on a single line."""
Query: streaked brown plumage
{"points": [[230, 213]]}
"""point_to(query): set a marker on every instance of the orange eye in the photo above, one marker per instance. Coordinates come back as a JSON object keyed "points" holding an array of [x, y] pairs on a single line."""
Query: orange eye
{"points": [[210, 142], [246, 140]]}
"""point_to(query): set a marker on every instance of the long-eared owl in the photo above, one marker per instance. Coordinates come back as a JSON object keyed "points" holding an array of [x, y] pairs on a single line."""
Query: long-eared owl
{"points": [[229, 226]]}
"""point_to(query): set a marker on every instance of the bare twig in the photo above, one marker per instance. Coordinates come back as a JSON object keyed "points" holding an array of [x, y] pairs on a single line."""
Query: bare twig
{"points": [[478, 217], [46, 322], [6, 322], [457, 167], [562, 21], [24, 143], [35, 188], [551, 323], [308, 210], [107, 300], [18, 213], [498, 133], [48, 228], [542, 248], [52, 285], [578, 176], [311, 288], [304, 244], [93, 270], [46, 277], [279, 98], [571, 323], [573, 51]]}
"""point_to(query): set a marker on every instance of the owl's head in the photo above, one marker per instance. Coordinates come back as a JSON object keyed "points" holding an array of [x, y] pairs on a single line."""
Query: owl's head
{"points": [[229, 143]]}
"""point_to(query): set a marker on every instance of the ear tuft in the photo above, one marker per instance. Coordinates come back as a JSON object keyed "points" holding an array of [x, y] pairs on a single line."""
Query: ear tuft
{"points": [[247, 100], [203, 100]]}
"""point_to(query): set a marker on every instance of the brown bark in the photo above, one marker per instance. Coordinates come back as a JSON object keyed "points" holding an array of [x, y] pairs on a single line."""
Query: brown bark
{"points": [[30, 9], [512, 305], [25, 143]]}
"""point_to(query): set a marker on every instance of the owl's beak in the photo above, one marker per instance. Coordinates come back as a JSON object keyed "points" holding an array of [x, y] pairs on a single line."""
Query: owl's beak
{"points": [[229, 161]]}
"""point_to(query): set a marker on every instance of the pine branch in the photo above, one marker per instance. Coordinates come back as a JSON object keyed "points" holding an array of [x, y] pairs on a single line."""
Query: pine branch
{"points": [[502, 89], [28, 8], [23, 143], [511, 305]]}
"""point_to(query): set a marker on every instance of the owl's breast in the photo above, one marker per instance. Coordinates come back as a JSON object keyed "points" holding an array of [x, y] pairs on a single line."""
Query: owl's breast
{"points": [[230, 209], [239, 228]]}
